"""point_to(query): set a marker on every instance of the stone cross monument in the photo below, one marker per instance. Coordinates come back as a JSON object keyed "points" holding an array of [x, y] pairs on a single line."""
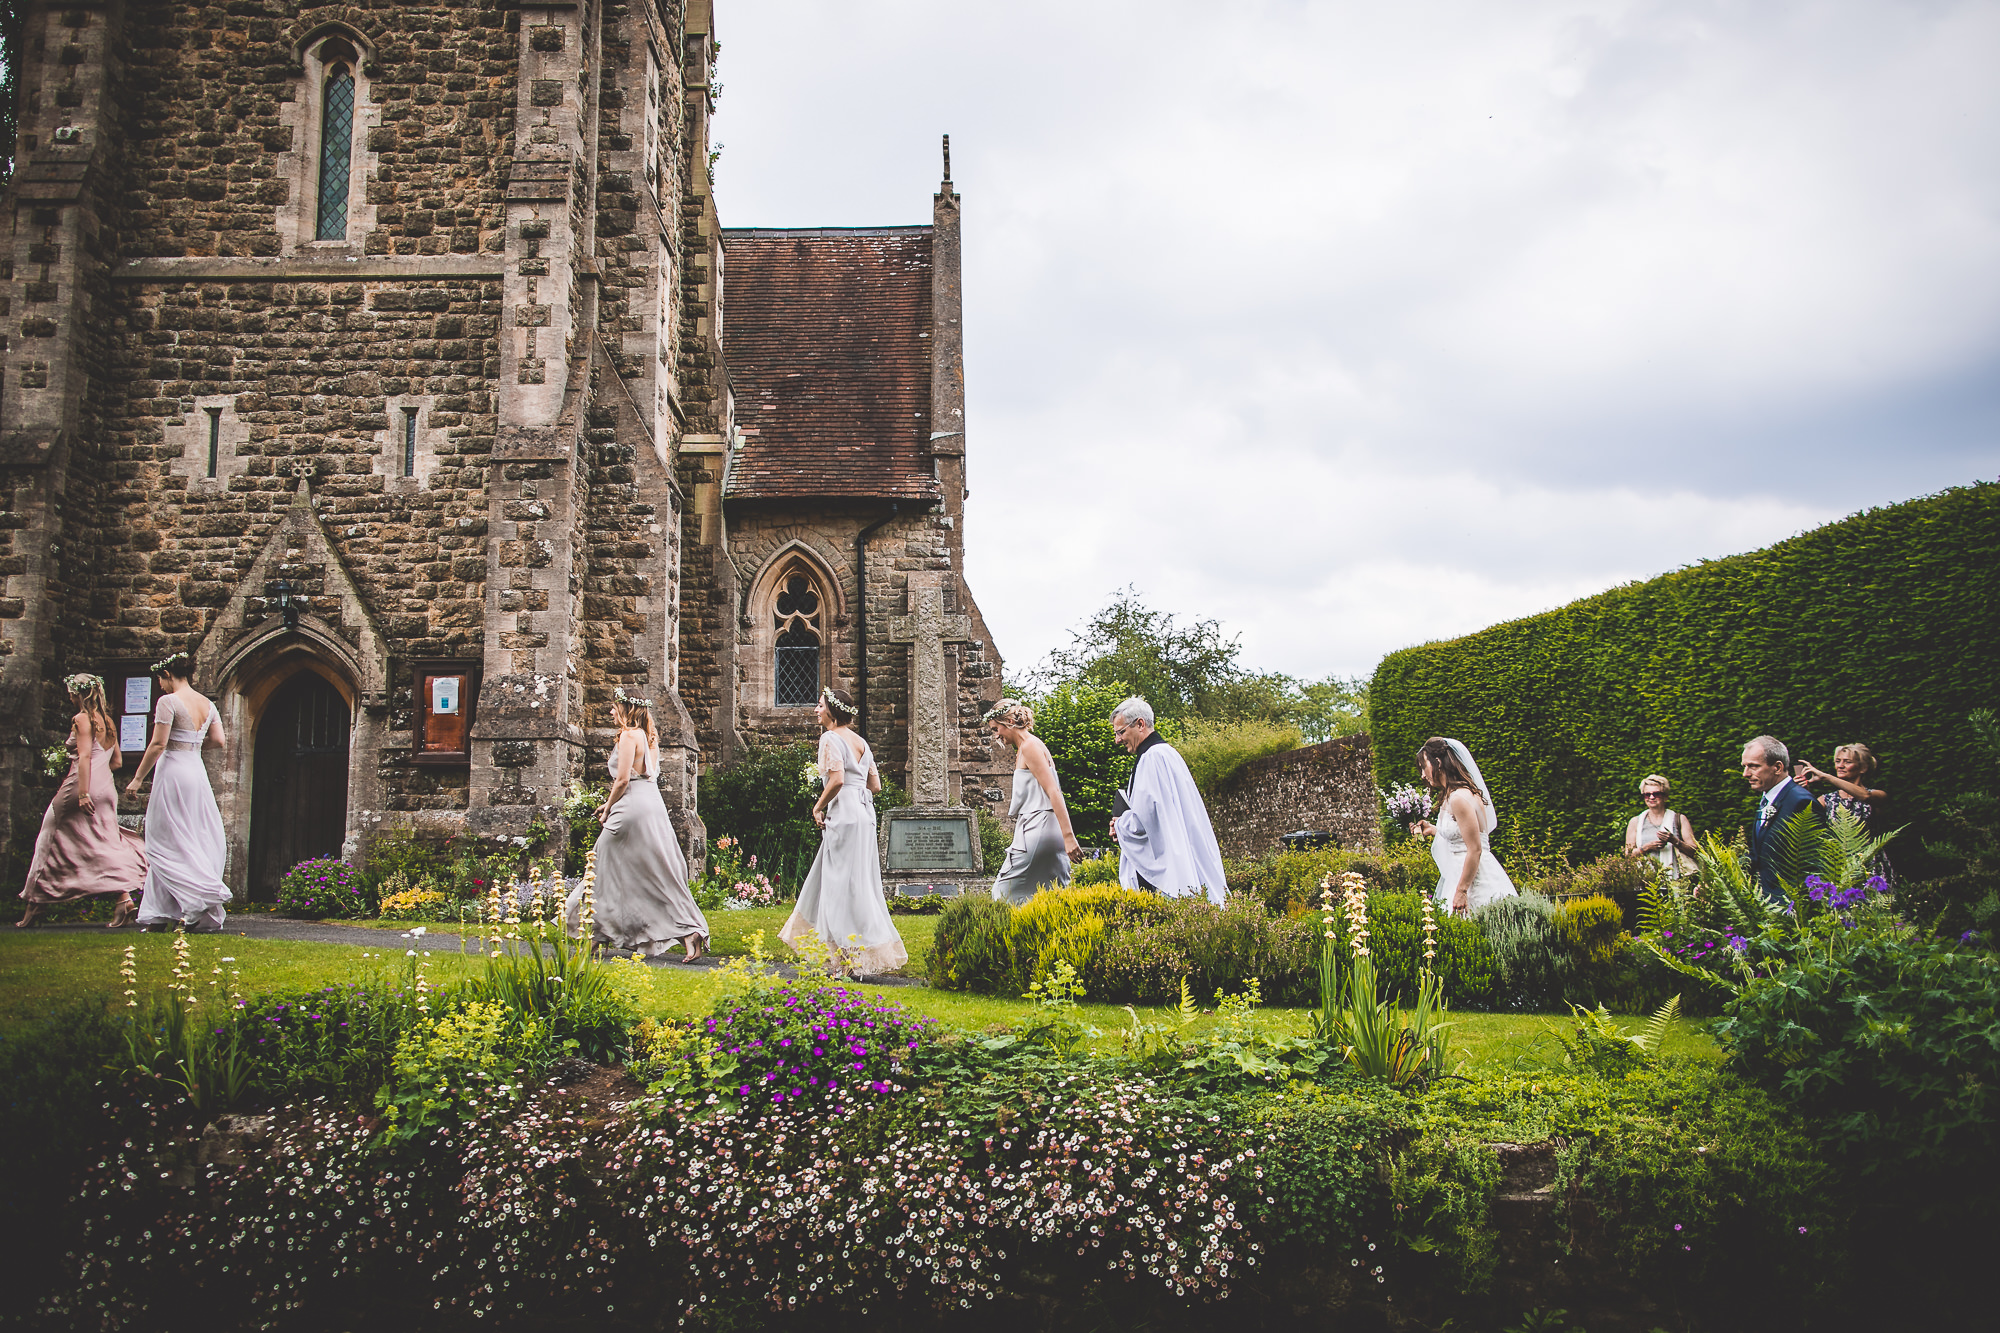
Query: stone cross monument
{"points": [[928, 629], [929, 844]]}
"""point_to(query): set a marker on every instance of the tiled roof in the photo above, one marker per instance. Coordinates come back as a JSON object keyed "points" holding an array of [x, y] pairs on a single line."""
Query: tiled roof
{"points": [[826, 333]]}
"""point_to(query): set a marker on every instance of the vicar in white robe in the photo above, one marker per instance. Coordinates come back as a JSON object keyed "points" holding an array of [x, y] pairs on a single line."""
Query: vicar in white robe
{"points": [[1165, 842]]}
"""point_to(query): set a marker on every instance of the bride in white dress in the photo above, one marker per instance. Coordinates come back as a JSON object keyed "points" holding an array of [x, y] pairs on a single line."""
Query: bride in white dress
{"points": [[842, 900], [185, 849], [1469, 875]]}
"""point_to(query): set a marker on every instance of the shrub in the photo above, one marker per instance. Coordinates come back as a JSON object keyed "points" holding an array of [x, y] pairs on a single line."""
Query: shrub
{"points": [[1289, 882], [1037, 923], [1095, 870], [1591, 928], [1567, 710], [1464, 960], [763, 802], [337, 1039], [400, 902], [1216, 750], [1617, 877], [323, 887], [1213, 948], [1890, 1035], [1535, 971], [447, 1067], [971, 950], [993, 842]]}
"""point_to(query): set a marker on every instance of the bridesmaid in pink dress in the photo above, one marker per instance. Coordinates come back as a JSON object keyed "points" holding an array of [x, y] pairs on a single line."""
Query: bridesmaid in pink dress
{"points": [[81, 851]]}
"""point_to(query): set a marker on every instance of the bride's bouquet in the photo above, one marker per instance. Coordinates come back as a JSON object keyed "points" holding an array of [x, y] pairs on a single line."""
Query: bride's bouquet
{"points": [[811, 777], [1407, 804]]}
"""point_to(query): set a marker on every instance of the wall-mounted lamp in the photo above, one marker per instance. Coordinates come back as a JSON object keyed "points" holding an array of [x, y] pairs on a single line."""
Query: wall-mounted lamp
{"points": [[289, 596]]}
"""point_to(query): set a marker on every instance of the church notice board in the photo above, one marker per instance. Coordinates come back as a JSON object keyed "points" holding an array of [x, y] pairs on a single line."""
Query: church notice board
{"points": [[925, 840], [442, 694], [132, 693]]}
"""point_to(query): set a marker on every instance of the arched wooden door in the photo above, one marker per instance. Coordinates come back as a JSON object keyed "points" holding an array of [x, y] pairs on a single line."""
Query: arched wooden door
{"points": [[298, 808]]}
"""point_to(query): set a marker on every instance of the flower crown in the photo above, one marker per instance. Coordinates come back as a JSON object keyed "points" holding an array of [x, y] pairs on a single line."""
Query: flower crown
{"points": [[834, 705], [81, 682], [178, 663], [1003, 706], [629, 700]]}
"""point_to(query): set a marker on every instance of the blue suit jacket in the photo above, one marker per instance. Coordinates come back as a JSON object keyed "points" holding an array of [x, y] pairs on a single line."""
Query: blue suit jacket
{"points": [[1765, 835]]}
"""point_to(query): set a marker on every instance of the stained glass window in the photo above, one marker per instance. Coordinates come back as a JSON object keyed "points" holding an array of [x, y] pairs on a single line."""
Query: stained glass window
{"points": [[336, 152], [798, 644]]}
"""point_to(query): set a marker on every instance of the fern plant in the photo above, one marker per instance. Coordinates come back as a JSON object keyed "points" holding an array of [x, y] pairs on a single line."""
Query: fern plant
{"points": [[1597, 1041]]}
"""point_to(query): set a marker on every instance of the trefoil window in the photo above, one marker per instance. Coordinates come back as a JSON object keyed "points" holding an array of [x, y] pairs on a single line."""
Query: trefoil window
{"points": [[798, 644]]}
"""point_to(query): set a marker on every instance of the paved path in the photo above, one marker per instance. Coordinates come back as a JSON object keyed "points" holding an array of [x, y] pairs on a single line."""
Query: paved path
{"points": [[263, 926]]}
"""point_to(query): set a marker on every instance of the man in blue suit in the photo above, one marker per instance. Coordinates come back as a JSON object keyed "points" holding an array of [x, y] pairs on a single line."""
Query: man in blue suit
{"points": [[1767, 768]]}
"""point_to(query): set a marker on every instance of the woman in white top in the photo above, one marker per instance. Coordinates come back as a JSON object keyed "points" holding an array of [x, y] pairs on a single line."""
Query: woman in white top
{"points": [[1469, 875], [640, 901], [1660, 833], [1044, 842], [842, 902], [185, 849]]}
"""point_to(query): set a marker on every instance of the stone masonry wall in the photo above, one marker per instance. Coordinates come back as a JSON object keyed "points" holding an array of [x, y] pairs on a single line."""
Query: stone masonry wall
{"points": [[1328, 788], [217, 133], [301, 374]]}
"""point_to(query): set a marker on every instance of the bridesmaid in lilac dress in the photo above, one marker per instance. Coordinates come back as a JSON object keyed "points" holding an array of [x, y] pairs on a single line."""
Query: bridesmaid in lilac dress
{"points": [[81, 851], [185, 848]]}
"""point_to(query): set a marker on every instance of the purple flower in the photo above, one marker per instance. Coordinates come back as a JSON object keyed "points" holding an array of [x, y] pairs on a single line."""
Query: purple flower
{"points": [[1969, 937]]}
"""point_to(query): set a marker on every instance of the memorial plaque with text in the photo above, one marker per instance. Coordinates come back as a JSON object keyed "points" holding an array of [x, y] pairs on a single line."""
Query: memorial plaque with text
{"points": [[931, 844]]}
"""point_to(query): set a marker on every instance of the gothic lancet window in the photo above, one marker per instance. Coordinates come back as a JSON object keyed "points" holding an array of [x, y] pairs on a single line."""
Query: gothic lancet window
{"points": [[336, 140], [798, 643]]}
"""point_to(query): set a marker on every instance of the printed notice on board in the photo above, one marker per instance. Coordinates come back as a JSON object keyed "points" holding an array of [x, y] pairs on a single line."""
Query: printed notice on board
{"points": [[139, 695], [444, 695], [132, 731]]}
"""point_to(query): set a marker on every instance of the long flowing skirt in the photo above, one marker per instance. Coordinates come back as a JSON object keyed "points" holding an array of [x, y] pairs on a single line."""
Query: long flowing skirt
{"points": [[1035, 859], [842, 900], [1490, 883], [185, 849], [641, 900], [77, 854]]}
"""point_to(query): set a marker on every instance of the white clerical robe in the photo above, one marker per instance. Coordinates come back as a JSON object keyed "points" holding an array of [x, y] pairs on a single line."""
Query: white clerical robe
{"points": [[1166, 836]]}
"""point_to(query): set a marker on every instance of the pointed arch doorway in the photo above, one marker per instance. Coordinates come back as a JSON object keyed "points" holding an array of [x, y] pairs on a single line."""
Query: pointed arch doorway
{"points": [[298, 803]]}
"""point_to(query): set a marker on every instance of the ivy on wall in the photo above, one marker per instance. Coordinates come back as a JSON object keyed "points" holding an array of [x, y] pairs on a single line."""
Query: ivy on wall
{"points": [[1882, 628]]}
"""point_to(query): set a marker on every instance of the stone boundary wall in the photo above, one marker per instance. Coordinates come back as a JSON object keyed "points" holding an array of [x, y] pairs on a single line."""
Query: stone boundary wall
{"points": [[1329, 787]]}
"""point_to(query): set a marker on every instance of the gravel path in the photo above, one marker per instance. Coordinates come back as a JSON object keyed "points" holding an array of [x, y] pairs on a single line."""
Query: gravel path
{"points": [[261, 926]]}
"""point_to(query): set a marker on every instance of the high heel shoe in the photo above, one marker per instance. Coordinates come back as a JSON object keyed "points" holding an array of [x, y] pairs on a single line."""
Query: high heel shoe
{"points": [[127, 910]]}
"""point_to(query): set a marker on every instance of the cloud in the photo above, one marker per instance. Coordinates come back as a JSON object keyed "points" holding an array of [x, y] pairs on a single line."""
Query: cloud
{"points": [[1353, 326]]}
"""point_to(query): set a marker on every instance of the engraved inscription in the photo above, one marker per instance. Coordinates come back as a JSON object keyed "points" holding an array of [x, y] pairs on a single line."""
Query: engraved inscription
{"points": [[931, 844]]}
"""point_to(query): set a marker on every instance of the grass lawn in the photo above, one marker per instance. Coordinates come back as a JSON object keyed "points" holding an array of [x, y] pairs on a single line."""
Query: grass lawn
{"points": [[39, 969], [731, 933]]}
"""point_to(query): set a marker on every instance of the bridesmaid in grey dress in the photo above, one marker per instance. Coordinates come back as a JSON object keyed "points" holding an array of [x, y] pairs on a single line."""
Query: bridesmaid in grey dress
{"points": [[1044, 841], [641, 900], [841, 902]]}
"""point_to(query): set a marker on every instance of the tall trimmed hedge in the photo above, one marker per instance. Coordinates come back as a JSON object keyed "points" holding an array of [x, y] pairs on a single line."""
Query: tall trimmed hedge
{"points": [[1882, 628]]}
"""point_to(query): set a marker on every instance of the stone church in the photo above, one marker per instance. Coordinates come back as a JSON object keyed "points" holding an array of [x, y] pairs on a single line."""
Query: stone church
{"points": [[391, 358]]}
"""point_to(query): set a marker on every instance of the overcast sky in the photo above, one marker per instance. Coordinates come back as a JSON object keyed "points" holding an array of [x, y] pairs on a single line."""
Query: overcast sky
{"points": [[1358, 325]]}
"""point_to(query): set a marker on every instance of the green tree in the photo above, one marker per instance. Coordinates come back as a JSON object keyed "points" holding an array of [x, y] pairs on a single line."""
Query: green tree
{"points": [[1191, 671], [1180, 669]]}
